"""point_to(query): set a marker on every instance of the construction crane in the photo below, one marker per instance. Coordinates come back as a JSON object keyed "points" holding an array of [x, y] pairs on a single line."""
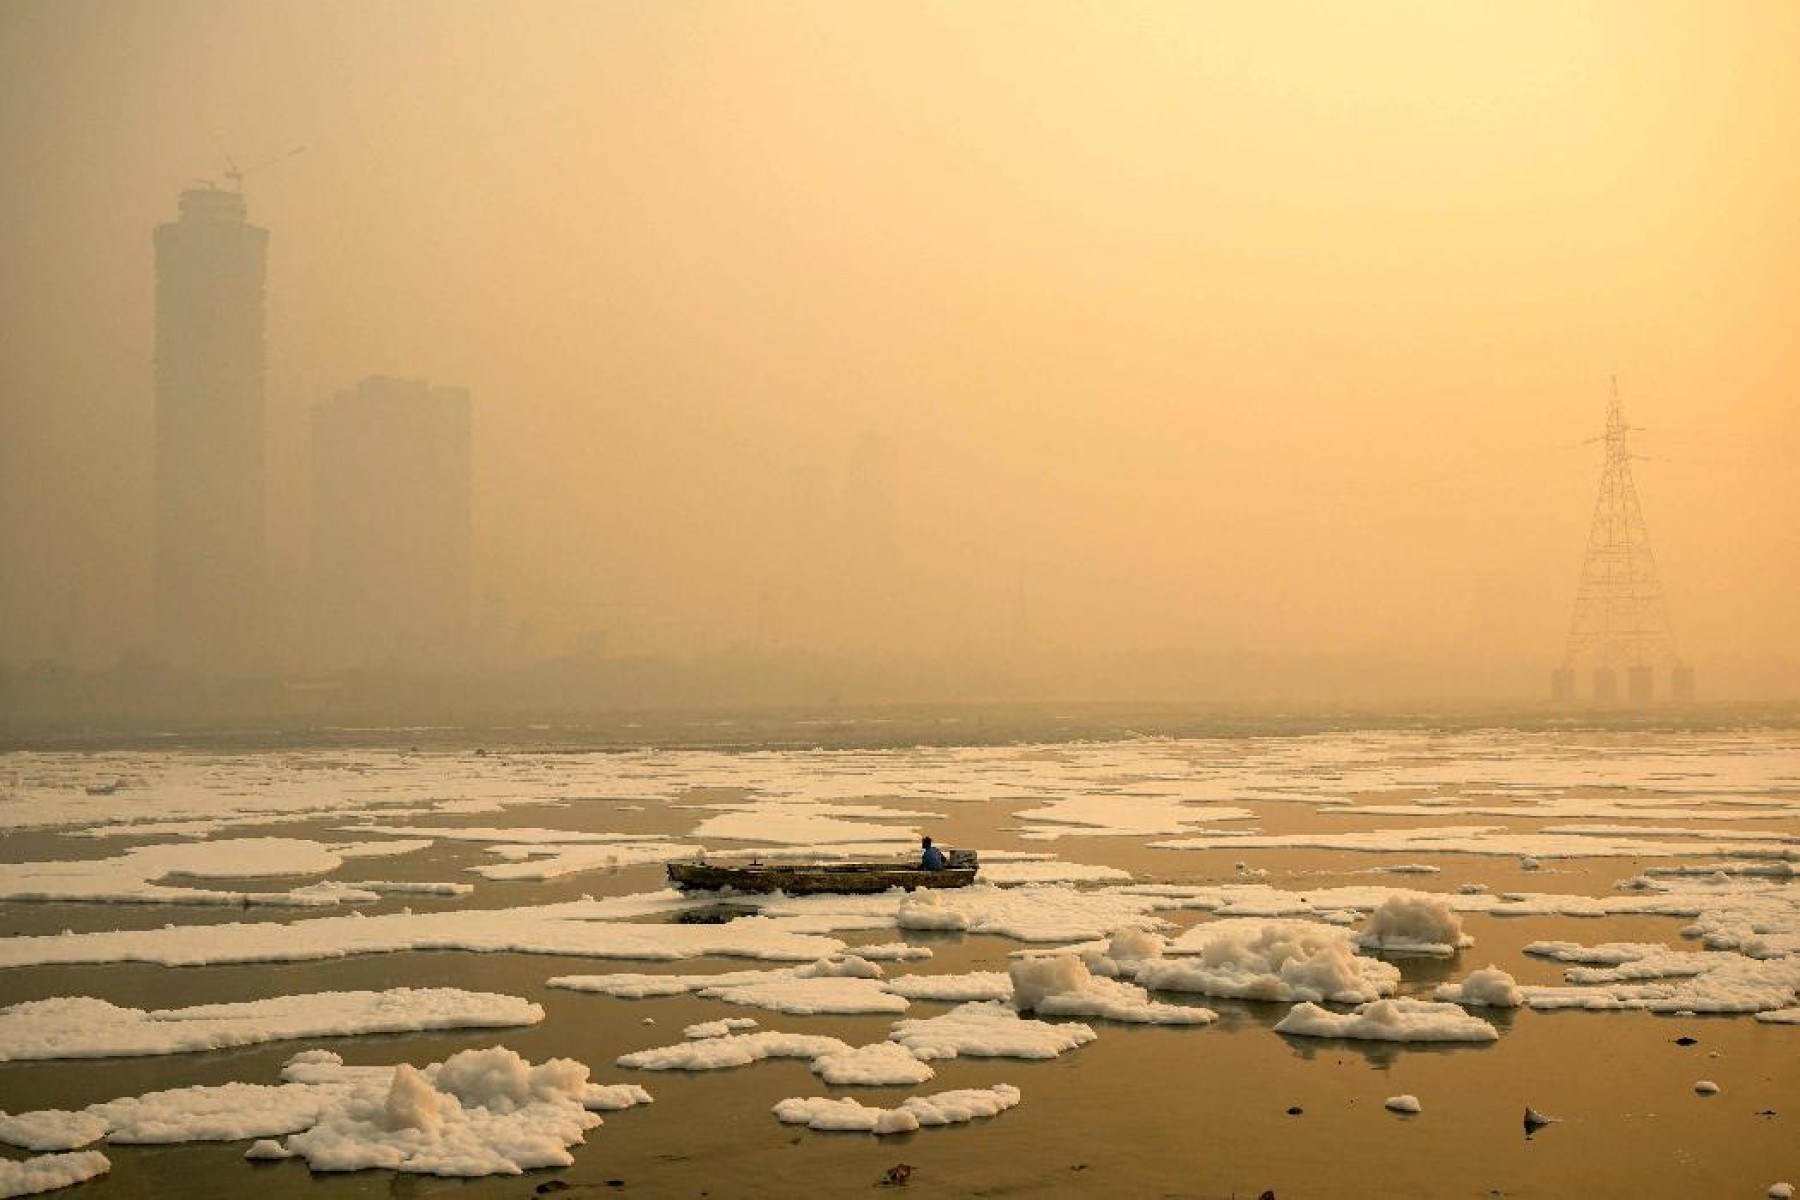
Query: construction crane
{"points": [[236, 174]]}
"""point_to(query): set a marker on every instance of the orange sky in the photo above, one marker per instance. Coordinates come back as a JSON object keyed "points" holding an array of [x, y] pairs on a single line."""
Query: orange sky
{"points": [[934, 327]]}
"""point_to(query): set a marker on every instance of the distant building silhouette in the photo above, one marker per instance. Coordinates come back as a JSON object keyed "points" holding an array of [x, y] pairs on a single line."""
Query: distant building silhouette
{"points": [[210, 268], [391, 522]]}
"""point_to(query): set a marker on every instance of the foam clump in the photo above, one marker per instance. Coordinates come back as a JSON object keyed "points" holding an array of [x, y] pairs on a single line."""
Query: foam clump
{"points": [[1060, 985], [227, 1112], [1407, 1103], [50, 1129], [879, 1064], [956, 988], [844, 966], [1414, 923], [927, 910], [84, 1027], [1490, 987], [48, 1172], [1389, 1021], [1706, 1087], [809, 995], [732, 1050], [916, 1112], [479, 1112], [713, 1029], [1781, 1191], [1009, 873], [892, 952], [843, 985], [1035, 979], [1031, 913], [610, 1097], [988, 1030], [1270, 960], [1126, 952]]}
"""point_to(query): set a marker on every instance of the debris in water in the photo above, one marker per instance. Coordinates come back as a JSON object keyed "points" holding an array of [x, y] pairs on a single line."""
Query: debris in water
{"points": [[1686, 1041], [897, 1174], [1535, 1120], [1295, 1111], [1707, 1087]]}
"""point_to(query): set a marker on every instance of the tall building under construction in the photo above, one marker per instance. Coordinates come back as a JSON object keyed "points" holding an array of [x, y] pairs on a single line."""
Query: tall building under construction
{"points": [[209, 564]]}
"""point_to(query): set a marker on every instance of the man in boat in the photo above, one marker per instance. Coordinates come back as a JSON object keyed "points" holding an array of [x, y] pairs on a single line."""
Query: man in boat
{"points": [[930, 857]]}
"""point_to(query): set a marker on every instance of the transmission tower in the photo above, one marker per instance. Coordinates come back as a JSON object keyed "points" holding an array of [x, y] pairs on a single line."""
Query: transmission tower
{"points": [[1621, 622]]}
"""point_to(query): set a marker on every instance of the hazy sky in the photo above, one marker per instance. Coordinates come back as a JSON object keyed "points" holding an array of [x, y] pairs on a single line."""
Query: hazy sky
{"points": [[951, 326]]}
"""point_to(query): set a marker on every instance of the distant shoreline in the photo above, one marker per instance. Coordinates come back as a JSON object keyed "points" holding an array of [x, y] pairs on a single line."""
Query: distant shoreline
{"points": [[748, 728]]}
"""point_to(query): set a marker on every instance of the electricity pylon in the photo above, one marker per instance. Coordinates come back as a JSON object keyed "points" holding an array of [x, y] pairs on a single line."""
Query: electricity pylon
{"points": [[1621, 621]]}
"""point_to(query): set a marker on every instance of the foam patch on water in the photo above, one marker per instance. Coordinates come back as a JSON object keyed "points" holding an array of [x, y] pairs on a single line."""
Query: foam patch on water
{"points": [[988, 1030], [479, 1112], [713, 1029], [1489, 987], [130, 878], [891, 952], [1115, 815], [802, 823], [1269, 960], [51, 1129], [1389, 1021], [879, 1064], [916, 1112], [810, 996], [48, 1172], [1061, 985], [1483, 839], [591, 928], [732, 1050], [521, 835], [1049, 872], [1414, 924], [848, 984], [552, 860], [953, 988], [1026, 914], [83, 1027]]}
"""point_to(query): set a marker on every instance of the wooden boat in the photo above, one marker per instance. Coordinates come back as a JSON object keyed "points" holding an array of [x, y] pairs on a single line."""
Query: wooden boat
{"points": [[804, 879]]}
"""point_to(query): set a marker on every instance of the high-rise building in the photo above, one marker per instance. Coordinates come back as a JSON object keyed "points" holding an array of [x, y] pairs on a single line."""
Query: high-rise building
{"points": [[391, 523], [210, 267]]}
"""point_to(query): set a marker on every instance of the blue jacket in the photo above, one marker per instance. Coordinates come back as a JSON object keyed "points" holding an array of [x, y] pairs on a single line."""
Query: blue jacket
{"points": [[932, 859]]}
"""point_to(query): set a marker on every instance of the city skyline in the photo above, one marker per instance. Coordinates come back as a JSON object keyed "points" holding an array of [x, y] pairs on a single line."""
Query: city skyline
{"points": [[1142, 386]]}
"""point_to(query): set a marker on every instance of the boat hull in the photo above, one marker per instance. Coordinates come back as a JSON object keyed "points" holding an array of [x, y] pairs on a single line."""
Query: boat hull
{"points": [[852, 878]]}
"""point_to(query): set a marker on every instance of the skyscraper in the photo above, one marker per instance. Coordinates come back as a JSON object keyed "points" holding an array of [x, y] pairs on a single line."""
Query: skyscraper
{"points": [[391, 521], [210, 267]]}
